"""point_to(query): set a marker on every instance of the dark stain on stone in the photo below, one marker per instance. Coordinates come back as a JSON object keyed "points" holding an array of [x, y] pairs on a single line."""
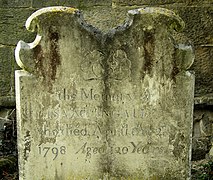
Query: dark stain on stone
{"points": [[39, 60], [46, 63], [178, 146], [54, 53], [57, 177], [149, 46], [106, 159], [175, 69]]}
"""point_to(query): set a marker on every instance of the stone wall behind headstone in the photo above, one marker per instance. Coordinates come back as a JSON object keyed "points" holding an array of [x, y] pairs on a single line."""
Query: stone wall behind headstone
{"points": [[196, 14]]}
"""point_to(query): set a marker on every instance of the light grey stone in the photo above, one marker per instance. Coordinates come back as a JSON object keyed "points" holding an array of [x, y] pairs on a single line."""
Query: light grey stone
{"points": [[93, 105]]}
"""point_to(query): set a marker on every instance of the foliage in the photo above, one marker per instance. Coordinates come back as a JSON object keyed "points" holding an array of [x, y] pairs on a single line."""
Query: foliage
{"points": [[203, 171], [8, 167], [8, 137], [8, 176]]}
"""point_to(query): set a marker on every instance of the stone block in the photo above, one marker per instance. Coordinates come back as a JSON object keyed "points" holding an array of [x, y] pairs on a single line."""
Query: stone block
{"points": [[6, 58], [158, 2], [7, 79], [89, 3], [71, 3], [105, 18], [15, 3], [199, 23], [144, 2], [203, 67], [41, 3], [202, 132], [12, 25], [94, 105]]}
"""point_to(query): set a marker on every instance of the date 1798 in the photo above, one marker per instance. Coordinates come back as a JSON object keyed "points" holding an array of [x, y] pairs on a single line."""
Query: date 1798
{"points": [[55, 151]]}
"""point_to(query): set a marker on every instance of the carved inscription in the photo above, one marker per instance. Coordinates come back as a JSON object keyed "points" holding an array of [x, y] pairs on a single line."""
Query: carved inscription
{"points": [[131, 148], [91, 95], [92, 66], [82, 122], [96, 129], [54, 151], [89, 112]]}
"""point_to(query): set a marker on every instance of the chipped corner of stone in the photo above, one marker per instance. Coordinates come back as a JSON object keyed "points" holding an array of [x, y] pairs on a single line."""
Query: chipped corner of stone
{"points": [[185, 57], [24, 54]]}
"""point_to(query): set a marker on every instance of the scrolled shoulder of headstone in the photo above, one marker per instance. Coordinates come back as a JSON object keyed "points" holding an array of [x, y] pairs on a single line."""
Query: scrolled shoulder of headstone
{"points": [[172, 19], [32, 21], [184, 56], [25, 52]]}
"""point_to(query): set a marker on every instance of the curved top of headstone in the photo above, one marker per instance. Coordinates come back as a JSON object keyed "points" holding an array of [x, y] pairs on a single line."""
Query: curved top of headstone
{"points": [[47, 23], [32, 24], [173, 19], [31, 21]]}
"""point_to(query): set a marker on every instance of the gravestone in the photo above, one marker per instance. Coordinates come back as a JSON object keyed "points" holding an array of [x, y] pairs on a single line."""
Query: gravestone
{"points": [[104, 106]]}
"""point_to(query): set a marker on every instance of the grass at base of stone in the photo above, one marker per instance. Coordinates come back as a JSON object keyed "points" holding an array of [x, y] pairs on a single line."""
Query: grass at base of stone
{"points": [[202, 170], [8, 168]]}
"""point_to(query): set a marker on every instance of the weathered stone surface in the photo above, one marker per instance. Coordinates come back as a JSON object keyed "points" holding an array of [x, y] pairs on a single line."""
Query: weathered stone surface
{"points": [[199, 23], [12, 25], [206, 100], [73, 3], [105, 18], [104, 106], [15, 3], [156, 2], [198, 31], [7, 64], [198, 19], [8, 101], [41, 3], [143, 2], [88, 3], [203, 67], [6, 55], [202, 132]]}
